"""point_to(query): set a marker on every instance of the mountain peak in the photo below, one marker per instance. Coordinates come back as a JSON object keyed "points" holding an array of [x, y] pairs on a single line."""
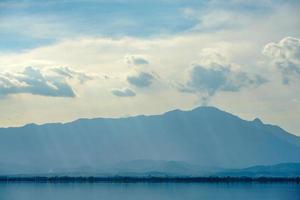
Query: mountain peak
{"points": [[257, 121], [199, 109], [211, 108]]}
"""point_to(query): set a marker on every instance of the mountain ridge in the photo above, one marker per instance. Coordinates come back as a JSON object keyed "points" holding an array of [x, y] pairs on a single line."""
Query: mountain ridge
{"points": [[256, 120], [203, 136], [134, 116], [155, 168]]}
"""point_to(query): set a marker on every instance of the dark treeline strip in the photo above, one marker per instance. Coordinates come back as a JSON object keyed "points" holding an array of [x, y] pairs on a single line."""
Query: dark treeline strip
{"points": [[124, 179]]}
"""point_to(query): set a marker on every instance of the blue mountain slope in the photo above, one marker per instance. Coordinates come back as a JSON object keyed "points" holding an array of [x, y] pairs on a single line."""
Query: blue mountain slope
{"points": [[205, 136]]}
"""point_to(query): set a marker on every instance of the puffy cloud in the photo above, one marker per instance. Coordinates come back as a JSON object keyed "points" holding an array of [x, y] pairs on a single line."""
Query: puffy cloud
{"points": [[136, 60], [127, 92], [213, 74], [285, 55], [143, 79], [220, 78], [48, 82]]}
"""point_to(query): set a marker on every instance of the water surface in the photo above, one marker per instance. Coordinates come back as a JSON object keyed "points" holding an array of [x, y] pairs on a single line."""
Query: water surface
{"points": [[149, 191]]}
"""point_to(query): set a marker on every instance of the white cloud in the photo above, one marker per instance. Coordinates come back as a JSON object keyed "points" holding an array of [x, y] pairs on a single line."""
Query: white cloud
{"points": [[50, 82], [213, 73], [285, 55], [136, 60]]}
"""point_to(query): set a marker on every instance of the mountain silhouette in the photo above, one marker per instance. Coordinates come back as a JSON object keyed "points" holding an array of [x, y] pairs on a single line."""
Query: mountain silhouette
{"points": [[204, 136]]}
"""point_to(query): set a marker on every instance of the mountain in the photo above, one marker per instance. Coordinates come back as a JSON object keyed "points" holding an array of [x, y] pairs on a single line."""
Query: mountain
{"points": [[205, 136], [279, 170], [157, 168]]}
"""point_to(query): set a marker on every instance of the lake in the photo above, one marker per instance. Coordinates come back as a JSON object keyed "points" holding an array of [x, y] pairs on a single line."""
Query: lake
{"points": [[149, 191]]}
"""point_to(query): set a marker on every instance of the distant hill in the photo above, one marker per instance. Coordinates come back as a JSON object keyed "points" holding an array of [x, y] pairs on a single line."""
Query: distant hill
{"points": [[279, 170], [163, 169], [205, 137]]}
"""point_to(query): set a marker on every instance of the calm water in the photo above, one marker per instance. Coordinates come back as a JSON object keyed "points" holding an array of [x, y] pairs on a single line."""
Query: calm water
{"points": [[151, 191]]}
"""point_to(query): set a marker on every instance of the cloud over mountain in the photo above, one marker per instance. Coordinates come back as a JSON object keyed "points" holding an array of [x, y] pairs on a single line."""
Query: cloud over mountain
{"points": [[213, 73], [285, 55], [220, 78]]}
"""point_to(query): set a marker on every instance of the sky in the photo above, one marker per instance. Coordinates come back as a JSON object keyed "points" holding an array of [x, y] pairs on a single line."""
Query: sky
{"points": [[61, 60]]}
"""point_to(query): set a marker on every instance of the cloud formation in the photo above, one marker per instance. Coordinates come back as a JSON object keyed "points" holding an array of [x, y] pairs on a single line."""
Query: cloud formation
{"points": [[213, 74], [70, 73], [136, 60], [143, 79], [285, 55], [127, 92], [50, 82], [220, 78]]}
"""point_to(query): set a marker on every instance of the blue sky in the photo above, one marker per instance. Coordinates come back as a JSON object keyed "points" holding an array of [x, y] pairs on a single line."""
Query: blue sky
{"points": [[115, 18], [96, 18], [119, 58]]}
